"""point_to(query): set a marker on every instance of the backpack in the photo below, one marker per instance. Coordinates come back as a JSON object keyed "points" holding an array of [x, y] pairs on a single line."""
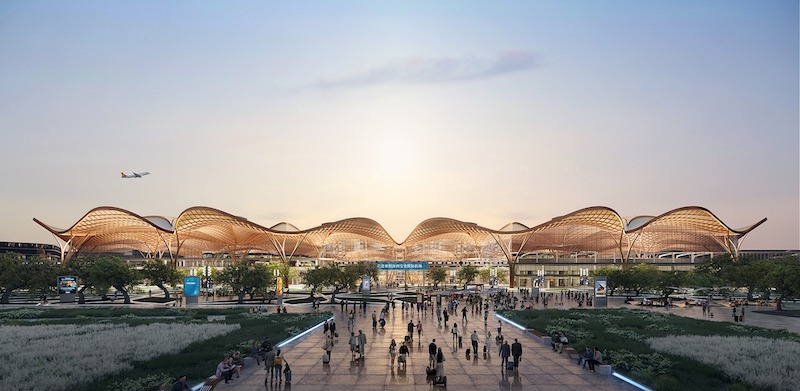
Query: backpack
{"points": [[278, 361]]}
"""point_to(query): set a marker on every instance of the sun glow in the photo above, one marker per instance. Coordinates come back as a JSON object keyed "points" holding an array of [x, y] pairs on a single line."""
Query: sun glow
{"points": [[395, 157]]}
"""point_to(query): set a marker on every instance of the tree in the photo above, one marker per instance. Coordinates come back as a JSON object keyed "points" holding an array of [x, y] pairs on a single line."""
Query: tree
{"points": [[502, 275], [109, 271], [747, 273], [614, 278], [668, 282], [11, 270], [485, 275], [785, 278], [79, 267], [158, 273], [40, 276], [640, 277], [246, 278], [315, 279], [699, 277], [467, 273], [437, 276]]}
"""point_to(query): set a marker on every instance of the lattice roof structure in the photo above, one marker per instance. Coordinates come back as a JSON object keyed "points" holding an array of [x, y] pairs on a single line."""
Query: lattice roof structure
{"points": [[598, 229]]}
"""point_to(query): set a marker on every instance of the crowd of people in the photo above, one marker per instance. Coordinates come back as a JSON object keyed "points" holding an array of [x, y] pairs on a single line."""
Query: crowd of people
{"points": [[466, 308]]}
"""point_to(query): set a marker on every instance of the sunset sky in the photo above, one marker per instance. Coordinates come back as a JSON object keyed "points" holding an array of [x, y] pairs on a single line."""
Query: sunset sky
{"points": [[482, 111]]}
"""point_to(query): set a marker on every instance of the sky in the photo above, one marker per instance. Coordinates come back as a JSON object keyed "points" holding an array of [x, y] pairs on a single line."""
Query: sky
{"points": [[487, 112]]}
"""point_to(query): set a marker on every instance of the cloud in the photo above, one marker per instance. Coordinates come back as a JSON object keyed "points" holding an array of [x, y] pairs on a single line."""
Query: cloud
{"points": [[419, 70]]}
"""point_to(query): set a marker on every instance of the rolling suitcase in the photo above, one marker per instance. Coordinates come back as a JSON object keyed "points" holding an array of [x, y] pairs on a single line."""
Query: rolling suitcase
{"points": [[468, 353], [440, 381], [326, 358], [510, 365]]}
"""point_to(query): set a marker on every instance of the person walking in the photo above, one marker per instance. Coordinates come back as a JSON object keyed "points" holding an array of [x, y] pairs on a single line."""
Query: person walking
{"points": [[419, 328], [439, 363], [410, 330], [328, 346], [474, 338], [516, 352], [392, 350], [269, 364], [487, 347], [362, 343], [353, 345], [454, 331], [278, 367], [505, 352], [432, 354], [374, 319], [333, 329]]}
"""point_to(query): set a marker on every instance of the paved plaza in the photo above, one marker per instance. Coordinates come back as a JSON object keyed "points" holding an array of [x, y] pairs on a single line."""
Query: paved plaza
{"points": [[540, 368]]}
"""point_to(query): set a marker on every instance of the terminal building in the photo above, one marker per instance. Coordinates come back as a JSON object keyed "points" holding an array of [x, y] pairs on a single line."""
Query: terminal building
{"points": [[557, 253]]}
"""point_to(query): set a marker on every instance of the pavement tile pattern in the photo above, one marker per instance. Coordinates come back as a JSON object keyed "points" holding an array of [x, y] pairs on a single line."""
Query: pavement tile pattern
{"points": [[540, 368]]}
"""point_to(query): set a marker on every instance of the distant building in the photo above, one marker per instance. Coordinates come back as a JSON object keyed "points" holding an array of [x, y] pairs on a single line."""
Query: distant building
{"points": [[32, 250]]}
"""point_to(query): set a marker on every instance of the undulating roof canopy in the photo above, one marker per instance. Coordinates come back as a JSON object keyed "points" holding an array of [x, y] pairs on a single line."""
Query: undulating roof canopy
{"points": [[601, 230]]}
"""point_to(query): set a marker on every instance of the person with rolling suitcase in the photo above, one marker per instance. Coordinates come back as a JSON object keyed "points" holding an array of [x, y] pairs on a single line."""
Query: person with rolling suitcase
{"points": [[440, 379]]}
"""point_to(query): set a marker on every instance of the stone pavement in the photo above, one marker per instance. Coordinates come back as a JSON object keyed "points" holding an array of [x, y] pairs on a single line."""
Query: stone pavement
{"points": [[540, 368]]}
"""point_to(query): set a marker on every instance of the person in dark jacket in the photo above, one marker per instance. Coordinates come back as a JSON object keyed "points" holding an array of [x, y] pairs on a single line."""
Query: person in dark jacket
{"points": [[181, 384], [505, 351], [516, 351]]}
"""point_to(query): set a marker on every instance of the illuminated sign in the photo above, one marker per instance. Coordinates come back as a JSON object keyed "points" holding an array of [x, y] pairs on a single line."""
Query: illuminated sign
{"points": [[600, 285], [191, 286], [279, 287], [389, 265], [67, 285]]}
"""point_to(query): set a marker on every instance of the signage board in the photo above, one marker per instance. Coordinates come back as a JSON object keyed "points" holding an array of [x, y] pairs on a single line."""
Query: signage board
{"points": [[600, 286], [365, 285], [398, 265], [191, 286], [67, 285]]}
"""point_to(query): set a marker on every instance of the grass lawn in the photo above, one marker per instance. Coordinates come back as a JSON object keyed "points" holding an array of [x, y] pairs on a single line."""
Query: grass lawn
{"points": [[197, 361], [622, 333]]}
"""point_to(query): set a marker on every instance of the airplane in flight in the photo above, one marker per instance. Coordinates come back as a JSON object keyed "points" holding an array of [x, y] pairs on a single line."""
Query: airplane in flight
{"points": [[135, 175]]}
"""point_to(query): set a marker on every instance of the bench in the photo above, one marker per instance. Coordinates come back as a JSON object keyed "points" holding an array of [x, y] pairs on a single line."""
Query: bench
{"points": [[210, 383], [546, 339], [603, 369], [251, 361], [570, 351]]}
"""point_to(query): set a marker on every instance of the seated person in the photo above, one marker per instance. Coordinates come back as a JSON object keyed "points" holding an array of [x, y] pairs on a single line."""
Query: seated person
{"points": [[561, 342], [224, 369], [234, 359], [180, 384]]}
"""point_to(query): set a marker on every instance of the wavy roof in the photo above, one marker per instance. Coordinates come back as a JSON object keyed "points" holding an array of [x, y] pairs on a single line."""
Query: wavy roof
{"points": [[595, 229]]}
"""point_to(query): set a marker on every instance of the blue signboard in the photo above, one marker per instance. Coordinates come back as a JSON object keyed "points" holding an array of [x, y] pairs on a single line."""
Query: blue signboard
{"points": [[389, 265], [191, 286], [67, 285]]}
